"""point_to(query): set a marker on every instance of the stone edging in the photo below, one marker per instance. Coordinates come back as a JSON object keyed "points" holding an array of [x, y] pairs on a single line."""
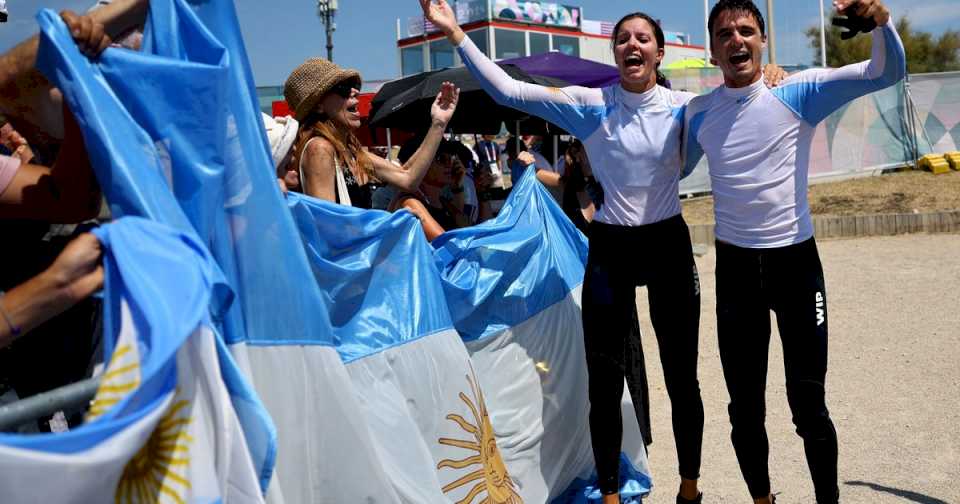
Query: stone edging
{"points": [[850, 226]]}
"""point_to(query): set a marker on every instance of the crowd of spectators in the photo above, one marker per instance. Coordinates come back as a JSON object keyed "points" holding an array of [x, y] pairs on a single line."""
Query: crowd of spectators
{"points": [[50, 198]]}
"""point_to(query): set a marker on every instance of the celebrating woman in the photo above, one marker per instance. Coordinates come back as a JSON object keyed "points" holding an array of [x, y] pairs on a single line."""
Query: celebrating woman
{"points": [[330, 162], [631, 132]]}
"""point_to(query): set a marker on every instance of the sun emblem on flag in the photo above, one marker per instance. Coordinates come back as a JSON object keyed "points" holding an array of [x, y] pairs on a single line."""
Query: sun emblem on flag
{"points": [[121, 378], [490, 469], [158, 472]]}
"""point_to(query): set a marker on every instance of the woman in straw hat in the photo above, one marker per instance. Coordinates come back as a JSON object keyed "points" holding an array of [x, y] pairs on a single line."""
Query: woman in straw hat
{"points": [[332, 165]]}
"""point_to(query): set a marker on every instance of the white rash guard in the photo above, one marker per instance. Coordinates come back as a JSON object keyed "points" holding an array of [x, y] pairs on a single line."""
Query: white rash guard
{"points": [[757, 142], [632, 139]]}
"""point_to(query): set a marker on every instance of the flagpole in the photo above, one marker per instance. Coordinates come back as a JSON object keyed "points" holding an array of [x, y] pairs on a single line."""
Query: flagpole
{"points": [[823, 36], [706, 32], [771, 37]]}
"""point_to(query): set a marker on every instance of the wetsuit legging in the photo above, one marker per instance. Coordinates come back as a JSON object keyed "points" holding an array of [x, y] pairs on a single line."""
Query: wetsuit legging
{"points": [[622, 258], [789, 281], [758, 142], [633, 142]]}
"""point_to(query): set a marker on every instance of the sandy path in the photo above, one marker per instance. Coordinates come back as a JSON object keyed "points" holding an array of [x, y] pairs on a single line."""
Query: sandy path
{"points": [[893, 385]]}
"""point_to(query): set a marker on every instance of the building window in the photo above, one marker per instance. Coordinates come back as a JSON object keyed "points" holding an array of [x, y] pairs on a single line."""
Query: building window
{"points": [[411, 60], [479, 38], [567, 45], [509, 43], [441, 54], [539, 43]]}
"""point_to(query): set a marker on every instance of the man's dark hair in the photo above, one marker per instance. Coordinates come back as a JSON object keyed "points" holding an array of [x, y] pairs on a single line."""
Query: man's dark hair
{"points": [[744, 6]]}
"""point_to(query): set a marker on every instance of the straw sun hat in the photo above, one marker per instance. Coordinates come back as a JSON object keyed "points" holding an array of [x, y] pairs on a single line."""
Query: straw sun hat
{"points": [[310, 81]]}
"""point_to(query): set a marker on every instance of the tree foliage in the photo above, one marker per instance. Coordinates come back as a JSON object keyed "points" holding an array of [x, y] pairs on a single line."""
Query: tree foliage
{"points": [[925, 53]]}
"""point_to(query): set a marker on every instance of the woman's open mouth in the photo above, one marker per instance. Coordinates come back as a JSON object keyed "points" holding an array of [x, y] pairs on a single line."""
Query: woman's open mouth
{"points": [[633, 61]]}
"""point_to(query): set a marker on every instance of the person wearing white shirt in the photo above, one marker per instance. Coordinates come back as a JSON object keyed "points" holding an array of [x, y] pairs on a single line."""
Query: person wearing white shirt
{"points": [[757, 142]]}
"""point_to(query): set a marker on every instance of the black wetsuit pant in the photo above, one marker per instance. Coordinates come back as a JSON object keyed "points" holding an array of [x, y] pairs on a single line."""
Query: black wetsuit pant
{"points": [[789, 281], [621, 258]]}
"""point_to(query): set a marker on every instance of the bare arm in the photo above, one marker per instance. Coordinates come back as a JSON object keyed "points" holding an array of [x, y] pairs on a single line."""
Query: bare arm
{"points": [[319, 170], [66, 193], [74, 275], [549, 178], [408, 176], [26, 94], [431, 228]]}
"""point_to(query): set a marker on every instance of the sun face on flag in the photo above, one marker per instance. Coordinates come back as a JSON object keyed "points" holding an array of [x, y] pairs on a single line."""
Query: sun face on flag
{"points": [[158, 472], [492, 472]]}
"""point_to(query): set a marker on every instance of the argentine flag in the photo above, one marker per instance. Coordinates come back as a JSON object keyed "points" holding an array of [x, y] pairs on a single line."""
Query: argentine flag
{"points": [[513, 285], [161, 427], [422, 402]]}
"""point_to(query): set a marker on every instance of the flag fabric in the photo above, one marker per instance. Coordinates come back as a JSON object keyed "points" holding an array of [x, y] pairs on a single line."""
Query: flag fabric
{"points": [[161, 427], [360, 364], [513, 286], [421, 400]]}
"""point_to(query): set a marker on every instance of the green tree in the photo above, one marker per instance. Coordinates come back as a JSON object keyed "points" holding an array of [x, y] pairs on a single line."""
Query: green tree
{"points": [[924, 52]]}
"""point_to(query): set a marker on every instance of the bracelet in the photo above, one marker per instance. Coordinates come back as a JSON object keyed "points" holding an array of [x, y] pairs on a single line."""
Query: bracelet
{"points": [[456, 190], [14, 329]]}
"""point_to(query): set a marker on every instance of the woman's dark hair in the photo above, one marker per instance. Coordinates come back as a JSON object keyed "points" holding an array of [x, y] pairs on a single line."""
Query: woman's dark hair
{"points": [[578, 157], [746, 6], [657, 33]]}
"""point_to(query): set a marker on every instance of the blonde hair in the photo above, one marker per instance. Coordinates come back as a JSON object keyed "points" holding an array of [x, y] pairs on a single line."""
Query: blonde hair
{"points": [[350, 152]]}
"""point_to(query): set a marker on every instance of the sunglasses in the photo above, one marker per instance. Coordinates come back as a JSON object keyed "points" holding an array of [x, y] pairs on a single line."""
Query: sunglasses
{"points": [[345, 88]]}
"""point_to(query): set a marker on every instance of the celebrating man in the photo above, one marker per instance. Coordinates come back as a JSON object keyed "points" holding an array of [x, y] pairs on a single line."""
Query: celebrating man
{"points": [[757, 141]]}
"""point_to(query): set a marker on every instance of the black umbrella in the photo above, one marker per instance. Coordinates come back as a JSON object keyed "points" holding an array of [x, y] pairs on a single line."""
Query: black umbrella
{"points": [[405, 103]]}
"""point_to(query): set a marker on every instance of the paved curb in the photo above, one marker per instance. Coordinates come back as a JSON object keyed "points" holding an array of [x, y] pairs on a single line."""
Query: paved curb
{"points": [[850, 226]]}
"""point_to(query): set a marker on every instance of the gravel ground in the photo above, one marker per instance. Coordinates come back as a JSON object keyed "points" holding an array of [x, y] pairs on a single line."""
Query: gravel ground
{"points": [[893, 385], [899, 192]]}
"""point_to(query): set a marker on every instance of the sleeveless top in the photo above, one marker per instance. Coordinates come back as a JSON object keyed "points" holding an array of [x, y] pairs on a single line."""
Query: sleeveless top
{"points": [[347, 189]]}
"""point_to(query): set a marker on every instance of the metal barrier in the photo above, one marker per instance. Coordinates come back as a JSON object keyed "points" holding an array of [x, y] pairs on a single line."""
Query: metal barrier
{"points": [[71, 397]]}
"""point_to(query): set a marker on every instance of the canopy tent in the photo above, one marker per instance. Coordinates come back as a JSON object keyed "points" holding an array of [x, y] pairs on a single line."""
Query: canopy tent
{"points": [[576, 71]]}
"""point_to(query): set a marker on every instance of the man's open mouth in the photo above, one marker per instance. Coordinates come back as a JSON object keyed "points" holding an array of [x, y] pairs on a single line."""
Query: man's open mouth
{"points": [[740, 58]]}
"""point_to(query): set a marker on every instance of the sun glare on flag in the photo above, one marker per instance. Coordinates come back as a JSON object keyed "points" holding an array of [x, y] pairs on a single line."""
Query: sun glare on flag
{"points": [[490, 469]]}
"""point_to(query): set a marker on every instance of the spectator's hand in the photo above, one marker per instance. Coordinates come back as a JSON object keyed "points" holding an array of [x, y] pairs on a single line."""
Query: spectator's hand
{"points": [[526, 158], [13, 140], [440, 15], [77, 271], [446, 103], [24, 153], [291, 178], [89, 35], [870, 9], [773, 74]]}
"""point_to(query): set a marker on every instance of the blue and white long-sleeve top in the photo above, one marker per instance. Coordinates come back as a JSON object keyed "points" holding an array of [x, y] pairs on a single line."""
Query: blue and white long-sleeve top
{"points": [[757, 142], [632, 139]]}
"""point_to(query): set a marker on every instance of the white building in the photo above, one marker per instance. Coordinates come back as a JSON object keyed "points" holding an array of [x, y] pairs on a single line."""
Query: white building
{"points": [[506, 29]]}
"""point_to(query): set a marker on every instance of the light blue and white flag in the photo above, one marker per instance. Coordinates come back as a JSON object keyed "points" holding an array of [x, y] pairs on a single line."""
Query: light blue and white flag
{"points": [[174, 133], [161, 427], [513, 286], [421, 400]]}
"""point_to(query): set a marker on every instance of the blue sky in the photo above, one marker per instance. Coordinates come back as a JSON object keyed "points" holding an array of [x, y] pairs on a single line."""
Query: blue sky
{"points": [[280, 34]]}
